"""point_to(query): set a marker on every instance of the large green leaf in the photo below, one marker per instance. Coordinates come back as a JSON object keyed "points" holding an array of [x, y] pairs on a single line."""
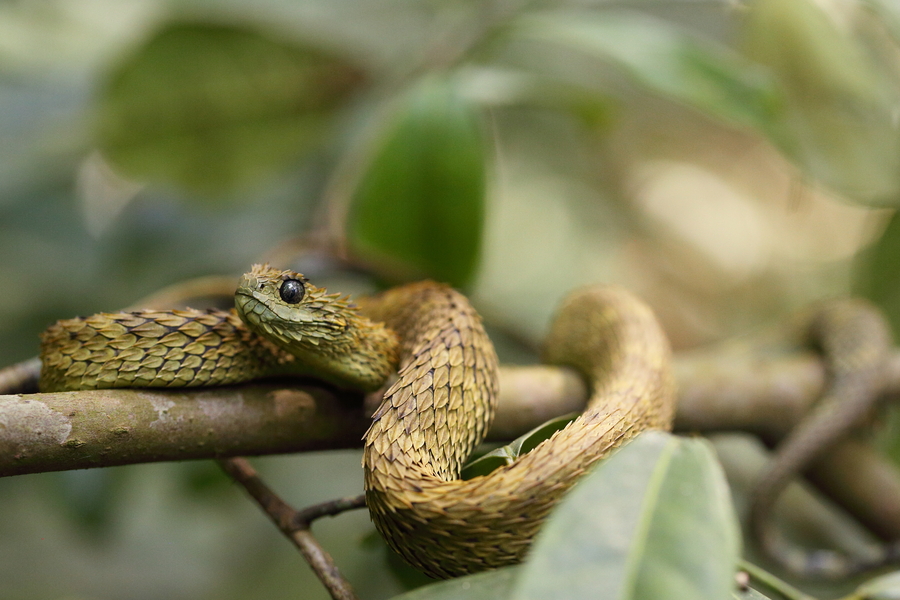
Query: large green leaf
{"points": [[214, 107], [666, 60], [654, 521], [839, 120], [419, 207]]}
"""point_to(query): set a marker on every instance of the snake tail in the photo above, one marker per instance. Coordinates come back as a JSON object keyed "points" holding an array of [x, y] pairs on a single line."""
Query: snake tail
{"points": [[442, 403], [855, 340]]}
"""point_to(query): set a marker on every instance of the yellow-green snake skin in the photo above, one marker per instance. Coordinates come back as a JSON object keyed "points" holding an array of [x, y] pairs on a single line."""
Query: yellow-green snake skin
{"points": [[433, 415]]}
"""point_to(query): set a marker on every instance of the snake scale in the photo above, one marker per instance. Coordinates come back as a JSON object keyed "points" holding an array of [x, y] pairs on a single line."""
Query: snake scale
{"points": [[437, 409]]}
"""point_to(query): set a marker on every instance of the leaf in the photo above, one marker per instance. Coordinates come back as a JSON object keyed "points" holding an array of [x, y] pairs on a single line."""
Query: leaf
{"points": [[653, 521], [419, 207], [839, 119], [507, 454], [214, 107], [492, 585], [667, 61], [879, 281], [89, 497], [885, 587], [882, 273]]}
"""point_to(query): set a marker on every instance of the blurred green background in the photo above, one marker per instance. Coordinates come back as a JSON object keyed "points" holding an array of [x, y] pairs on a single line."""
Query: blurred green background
{"points": [[729, 161]]}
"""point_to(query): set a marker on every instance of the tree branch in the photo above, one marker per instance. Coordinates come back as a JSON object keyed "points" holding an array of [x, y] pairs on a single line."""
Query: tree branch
{"points": [[719, 391], [102, 428], [295, 525]]}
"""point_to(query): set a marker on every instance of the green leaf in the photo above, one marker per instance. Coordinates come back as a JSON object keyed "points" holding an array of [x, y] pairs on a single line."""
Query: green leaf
{"points": [[212, 108], [667, 61], [881, 274], [879, 281], [839, 120], [419, 207], [886, 587], [653, 521], [492, 585], [507, 454]]}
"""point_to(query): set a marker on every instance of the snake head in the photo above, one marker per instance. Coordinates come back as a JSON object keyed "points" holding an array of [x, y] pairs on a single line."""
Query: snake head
{"points": [[324, 331], [286, 308]]}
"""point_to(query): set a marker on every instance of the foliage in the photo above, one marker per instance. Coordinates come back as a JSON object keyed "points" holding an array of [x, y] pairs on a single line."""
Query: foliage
{"points": [[420, 201], [727, 160]]}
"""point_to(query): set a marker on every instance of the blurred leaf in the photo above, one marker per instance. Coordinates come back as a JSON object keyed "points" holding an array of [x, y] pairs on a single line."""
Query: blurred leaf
{"points": [[889, 15], [492, 585], [879, 281], [886, 587], [419, 208], [203, 477], [89, 497], [666, 60], [838, 123], [507, 454], [214, 107], [881, 274], [653, 521]]}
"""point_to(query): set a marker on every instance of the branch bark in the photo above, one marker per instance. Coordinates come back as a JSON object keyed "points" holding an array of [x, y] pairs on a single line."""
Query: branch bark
{"points": [[102, 428]]}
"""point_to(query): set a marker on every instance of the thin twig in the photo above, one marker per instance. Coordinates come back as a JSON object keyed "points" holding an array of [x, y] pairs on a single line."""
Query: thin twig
{"points": [[770, 581], [295, 524], [305, 517]]}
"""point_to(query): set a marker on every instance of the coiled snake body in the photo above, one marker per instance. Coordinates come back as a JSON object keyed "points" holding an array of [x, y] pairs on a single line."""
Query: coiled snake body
{"points": [[433, 415]]}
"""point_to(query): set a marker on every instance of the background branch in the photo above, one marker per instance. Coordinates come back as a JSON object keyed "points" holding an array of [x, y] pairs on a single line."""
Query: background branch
{"points": [[295, 525]]}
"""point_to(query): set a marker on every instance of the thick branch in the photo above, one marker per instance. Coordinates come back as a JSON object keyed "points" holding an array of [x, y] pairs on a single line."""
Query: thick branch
{"points": [[73, 430], [101, 428], [718, 391]]}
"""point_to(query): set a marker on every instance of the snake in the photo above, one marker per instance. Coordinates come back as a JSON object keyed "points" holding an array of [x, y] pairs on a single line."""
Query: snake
{"points": [[426, 346], [855, 340]]}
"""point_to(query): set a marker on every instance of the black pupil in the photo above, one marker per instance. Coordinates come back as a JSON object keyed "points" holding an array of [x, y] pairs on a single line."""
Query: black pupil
{"points": [[292, 291]]}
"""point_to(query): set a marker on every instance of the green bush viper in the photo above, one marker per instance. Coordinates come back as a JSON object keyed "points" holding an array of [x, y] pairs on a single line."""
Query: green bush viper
{"points": [[432, 416], [441, 402]]}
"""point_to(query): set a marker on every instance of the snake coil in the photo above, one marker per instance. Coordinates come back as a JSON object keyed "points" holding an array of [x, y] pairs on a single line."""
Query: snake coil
{"points": [[433, 415]]}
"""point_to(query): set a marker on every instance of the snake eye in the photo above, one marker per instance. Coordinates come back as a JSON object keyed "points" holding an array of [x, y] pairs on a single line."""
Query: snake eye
{"points": [[292, 291]]}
